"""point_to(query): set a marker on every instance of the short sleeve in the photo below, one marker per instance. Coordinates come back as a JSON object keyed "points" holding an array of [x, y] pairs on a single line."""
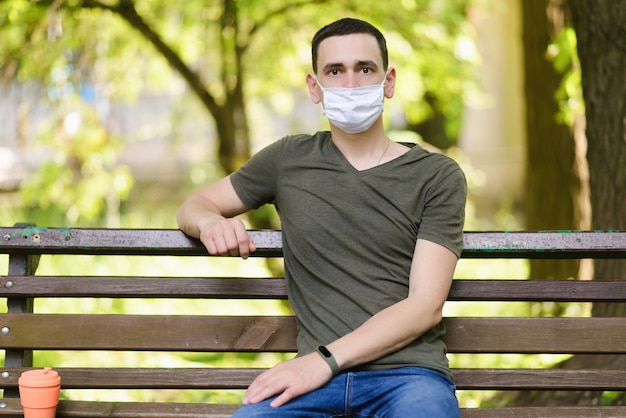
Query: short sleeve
{"points": [[444, 208], [255, 182]]}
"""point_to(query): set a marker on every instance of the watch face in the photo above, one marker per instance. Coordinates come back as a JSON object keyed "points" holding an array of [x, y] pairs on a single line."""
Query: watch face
{"points": [[324, 351]]}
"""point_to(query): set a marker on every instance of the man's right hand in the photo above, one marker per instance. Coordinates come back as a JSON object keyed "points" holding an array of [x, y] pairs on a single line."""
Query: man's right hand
{"points": [[227, 237]]}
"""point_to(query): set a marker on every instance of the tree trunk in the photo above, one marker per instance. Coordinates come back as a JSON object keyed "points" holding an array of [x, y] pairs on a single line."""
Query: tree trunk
{"points": [[601, 32], [553, 175], [232, 122]]}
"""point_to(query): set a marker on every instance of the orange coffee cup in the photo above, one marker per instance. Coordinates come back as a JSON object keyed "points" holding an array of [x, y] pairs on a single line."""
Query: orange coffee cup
{"points": [[39, 392]]}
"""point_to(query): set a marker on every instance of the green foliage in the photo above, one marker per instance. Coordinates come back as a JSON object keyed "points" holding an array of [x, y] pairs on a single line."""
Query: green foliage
{"points": [[267, 43], [436, 53], [83, 179], [564, 55]]}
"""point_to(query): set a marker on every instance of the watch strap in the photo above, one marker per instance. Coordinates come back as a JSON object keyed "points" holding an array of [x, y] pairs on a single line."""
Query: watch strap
{"points": [[329, 358]]}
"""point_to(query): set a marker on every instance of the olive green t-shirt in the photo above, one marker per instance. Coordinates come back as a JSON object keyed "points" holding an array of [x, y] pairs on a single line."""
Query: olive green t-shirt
{"points": [[349, 235]]}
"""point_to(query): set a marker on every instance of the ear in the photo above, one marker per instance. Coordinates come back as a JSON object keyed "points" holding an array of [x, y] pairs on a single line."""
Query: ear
{"points": [[314, 90], [390, 84]]}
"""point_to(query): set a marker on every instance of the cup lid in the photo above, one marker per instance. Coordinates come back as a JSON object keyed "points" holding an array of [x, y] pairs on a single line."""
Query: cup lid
{"points": [[40, 377]]}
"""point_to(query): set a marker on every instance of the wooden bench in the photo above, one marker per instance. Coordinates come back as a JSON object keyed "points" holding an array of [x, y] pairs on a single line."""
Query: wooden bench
{"points": [[25, 330]]}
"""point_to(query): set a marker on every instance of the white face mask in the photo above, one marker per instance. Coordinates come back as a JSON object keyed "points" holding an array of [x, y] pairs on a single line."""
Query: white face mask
{"points": [[355, 109]]}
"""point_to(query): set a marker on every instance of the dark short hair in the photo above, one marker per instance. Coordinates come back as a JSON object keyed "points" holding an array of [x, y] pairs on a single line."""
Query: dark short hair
{"points": [[348, 26]]}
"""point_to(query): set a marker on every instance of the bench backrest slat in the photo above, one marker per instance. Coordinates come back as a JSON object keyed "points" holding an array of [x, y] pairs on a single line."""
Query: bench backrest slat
{"points": [[268, 288], [134, 287], [98, 241], [150, 332], [516, 244], [545, 244], [540, 379], [277, 333], [536, 335], [153, 378], [234, 378], [538, 290]]}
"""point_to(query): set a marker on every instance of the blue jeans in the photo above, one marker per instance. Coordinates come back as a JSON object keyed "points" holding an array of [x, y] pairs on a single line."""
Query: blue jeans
{"points": [[408, 392]]}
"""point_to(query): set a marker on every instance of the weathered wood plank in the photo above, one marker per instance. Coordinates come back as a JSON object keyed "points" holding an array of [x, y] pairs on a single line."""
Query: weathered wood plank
{"points": [[514, 244], [270, 288], [240, 378], [145, 378], [138, 287], [83, 409], [268, 333], [540, 379], [538, 290], [545, 244], [536, 335], [150, 333], [546, 412], [102, 241]]}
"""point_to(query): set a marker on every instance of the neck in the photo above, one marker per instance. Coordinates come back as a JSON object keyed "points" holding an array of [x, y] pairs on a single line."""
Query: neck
{"points": [[363, 150]]}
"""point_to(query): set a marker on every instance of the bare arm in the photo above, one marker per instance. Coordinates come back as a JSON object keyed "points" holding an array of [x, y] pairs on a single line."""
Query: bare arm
{"points": [[430, 279], [209, 213]]}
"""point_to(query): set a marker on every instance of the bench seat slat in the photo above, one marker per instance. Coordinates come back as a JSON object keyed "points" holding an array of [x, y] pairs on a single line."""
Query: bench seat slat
{"points": [[276, 333], [86, 409], [83, 409], [546, 412], [240, 378], [514, 244], [272, 288]]}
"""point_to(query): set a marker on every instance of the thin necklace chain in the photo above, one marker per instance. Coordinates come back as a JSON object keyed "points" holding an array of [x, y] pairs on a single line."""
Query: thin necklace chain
{"points": [[384, 152]]}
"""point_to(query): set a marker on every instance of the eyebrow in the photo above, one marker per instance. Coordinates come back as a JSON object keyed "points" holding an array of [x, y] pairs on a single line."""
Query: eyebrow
{"points": [[358, 64], [367, 63]]}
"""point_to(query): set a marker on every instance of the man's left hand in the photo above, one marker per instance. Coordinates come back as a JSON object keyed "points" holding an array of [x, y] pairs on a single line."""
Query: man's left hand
{"points": [[289, 380]]}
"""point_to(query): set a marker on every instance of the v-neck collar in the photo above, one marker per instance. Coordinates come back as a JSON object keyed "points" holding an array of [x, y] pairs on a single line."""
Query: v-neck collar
{"points": [[345, 162]]}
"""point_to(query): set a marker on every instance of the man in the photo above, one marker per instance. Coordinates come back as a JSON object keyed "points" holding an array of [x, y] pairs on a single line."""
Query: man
{"points": [[372, 230]]}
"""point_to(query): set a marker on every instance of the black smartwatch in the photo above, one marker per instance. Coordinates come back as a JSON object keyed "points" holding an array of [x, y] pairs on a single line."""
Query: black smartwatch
{"points": [[328, 357]]}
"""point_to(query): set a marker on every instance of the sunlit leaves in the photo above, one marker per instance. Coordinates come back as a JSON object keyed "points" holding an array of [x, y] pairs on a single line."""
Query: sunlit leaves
{"points": [[564, 56], [83, 179], [273, 37]]}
